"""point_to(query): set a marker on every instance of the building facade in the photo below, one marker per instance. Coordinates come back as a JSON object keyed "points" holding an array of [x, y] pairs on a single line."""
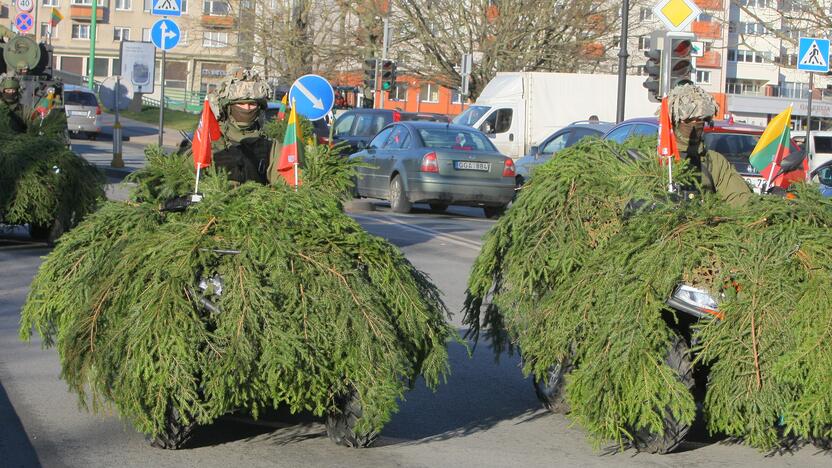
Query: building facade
{"points": [[204, 56]]}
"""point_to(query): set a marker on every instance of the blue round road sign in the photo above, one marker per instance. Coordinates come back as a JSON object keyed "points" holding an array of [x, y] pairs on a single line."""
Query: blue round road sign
{"points": [[312, 96], [24, 22], [165, 34]]}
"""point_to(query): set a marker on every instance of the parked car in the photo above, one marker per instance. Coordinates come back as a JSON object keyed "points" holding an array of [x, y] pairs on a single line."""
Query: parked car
{"points": [[320, 125], [824, 176], [819, 149], [359, 126], [82, 111], [435, 163], [733, 140], [563, 138]]}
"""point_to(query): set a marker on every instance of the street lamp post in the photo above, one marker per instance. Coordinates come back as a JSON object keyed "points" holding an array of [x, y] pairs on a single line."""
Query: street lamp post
{"points": [[622, 61]]}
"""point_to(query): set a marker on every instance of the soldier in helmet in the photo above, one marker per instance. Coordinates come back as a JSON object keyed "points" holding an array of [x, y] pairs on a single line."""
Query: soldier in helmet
{"points": [[242, 150], [11, 111], [690, 108]]}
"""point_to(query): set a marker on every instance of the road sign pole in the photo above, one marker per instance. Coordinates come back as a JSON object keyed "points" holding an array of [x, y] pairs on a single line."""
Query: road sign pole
{"points": [[117, 161], [162, 97], [622, 62], [93, 24], [809, 113]]}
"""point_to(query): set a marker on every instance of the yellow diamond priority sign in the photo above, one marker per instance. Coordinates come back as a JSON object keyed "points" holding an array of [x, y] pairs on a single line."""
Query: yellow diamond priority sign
{"points": [[676, 14]]}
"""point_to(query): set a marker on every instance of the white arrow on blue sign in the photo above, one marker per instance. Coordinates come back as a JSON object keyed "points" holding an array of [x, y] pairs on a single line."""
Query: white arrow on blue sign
{"points": [[167, 8], [165, 34], [813, 54], [312, 96]]}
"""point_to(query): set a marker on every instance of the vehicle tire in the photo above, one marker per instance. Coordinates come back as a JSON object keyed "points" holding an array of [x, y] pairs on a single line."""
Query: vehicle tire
{"points": [[176, 433], [550, 390], [92, 136], [341, 423], [46, 233], [493, 211], [678, 358], [438, 207], [398, 198]]}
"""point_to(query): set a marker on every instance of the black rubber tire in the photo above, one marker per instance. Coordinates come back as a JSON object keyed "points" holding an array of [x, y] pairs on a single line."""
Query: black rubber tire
{"points": [[438, 207], [550, 390], [48, 234], [340, 424], [92, 136], [491, 212], [176, 433], [398, 198], [678, 358]]}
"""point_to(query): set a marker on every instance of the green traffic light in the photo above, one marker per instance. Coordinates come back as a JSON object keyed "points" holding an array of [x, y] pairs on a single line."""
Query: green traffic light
{"points": [[385, 86]]}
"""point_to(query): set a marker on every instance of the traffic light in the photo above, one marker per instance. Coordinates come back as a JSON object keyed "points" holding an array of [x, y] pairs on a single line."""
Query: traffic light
{"points": [[370, 73], [653, 67], [680, 62], [388, 75]]}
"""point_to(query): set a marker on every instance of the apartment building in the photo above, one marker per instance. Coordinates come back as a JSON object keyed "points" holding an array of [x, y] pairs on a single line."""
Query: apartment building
{"points": [[203, 57]]}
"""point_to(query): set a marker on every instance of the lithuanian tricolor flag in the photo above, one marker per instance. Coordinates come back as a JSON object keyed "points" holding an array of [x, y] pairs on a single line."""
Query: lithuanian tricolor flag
{"points": [[288, 166], [774, 145], [281, 113], [55, 18]]}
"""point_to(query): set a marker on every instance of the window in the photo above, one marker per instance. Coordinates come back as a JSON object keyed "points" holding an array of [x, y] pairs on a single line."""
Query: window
{"points": [[643, 43], [620, 134], [215, 7], [50, 3], [645, 14], [80, 31], [46, 28], [367, 125], [429, 93], [616, 42], [379, 140], [399, 138], [399, 93], [183, 37], [121, 34], [184, 6], [703, 77], [756, 3], [752, 29], [456, 98], [498, 122], [72, 65], [147, 5], [146, 34], [124, 4], [344, 124], [750, 56], [555, 144], [214, 39], [81, 2], [447, 138]]}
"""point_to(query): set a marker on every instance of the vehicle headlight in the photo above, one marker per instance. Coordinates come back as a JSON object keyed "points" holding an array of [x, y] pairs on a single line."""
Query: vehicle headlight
{"points": [[696, 301]]}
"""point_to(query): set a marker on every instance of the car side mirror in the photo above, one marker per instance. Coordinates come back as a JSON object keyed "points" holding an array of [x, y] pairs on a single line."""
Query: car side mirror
{"points": [[535, 151]]}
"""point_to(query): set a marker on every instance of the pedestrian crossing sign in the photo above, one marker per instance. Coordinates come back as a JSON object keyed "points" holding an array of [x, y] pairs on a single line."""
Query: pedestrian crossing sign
{"points": [[167, 7], [813, 55]]}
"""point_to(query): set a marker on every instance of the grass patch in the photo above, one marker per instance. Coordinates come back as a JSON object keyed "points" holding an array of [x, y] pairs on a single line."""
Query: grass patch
{"points": [[175, 119]]}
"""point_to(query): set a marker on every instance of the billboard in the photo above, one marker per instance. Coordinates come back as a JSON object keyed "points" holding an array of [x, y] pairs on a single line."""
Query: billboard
{"points": [[138, 65]]}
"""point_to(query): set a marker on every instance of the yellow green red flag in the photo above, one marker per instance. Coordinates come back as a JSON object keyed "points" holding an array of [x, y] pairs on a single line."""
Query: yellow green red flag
{"points": [[56, 17], [774, 143]]}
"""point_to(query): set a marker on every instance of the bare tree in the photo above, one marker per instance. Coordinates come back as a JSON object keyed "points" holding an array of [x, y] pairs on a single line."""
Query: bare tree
{"points": [[503, 35]]}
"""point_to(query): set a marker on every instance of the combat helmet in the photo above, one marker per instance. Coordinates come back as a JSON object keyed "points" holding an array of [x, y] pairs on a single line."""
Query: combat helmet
{"points": [[241, 86], [9, 82], [690, 102]]}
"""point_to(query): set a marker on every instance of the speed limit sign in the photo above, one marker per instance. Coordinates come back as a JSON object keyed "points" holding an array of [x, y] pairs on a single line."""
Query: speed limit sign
{"points": [[25, 5]]}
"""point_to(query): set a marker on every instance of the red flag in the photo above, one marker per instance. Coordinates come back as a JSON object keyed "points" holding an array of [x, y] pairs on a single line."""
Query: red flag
{"points": [[667, 140], [207, 132]]}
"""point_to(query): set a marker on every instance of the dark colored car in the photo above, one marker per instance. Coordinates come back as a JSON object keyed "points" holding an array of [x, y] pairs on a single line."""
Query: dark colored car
{"points": [[320, 125], [563, 138], [732, 140], [435, 163], [358, 126], [824, 175]]}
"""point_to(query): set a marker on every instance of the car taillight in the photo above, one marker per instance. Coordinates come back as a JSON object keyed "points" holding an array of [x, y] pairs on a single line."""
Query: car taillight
{"points": [[97, 110], [429, 163], [508, 168], [397, 117]]}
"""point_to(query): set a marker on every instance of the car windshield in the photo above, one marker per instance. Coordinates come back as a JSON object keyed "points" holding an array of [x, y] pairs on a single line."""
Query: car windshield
{"points": [[78, 98], [736, 147], [450, 138], [471, 115]]}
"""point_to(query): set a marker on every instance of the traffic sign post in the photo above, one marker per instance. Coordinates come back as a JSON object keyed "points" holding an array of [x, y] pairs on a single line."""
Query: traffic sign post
{"points": [[312, 96], [812, 56], [165, 35]]}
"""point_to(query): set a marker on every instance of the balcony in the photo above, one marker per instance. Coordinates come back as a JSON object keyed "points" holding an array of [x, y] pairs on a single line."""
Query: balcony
{"points": [[709, 59], [710, 4], [217, 22], [84, 12], [707, 29]]}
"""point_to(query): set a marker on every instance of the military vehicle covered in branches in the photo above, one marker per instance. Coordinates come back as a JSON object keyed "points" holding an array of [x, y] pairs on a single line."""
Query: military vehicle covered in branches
{"points": [[639, 311], [42, 183], [177, 309]]}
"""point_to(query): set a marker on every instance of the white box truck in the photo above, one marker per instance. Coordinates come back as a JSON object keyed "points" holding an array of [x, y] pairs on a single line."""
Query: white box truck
{"points": [[518, 110]]}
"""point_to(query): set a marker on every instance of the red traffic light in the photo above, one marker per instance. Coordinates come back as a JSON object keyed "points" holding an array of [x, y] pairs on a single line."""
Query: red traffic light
{"points": [[682, 48]]}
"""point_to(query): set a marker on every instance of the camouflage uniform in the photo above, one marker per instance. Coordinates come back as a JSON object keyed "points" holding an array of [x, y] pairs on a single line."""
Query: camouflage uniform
{"points": [[242, 150], [689, 107], [12, 114]]}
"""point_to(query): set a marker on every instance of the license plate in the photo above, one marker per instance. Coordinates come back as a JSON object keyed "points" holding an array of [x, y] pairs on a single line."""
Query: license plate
{"points": [[756, 183], [472, 166], [80, 113]]}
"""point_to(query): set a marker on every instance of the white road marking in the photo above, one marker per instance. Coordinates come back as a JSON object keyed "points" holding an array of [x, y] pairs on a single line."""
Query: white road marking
{"points": [[453, 239]]}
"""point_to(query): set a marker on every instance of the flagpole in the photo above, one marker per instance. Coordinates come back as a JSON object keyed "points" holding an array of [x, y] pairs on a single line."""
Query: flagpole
{"points": [[296, 176], [196, 186]]}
